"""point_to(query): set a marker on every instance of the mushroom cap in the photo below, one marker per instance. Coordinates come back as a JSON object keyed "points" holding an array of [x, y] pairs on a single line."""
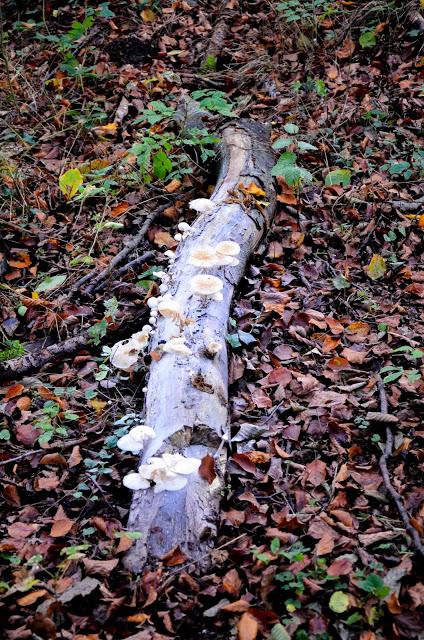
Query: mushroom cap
{"points": [[226, 261], [124, 354], [202, 205], [203, 256], [141, 432], [177, 346], [206, 285], [169, 308], [152, 302], [214, 347], [183, 227], [135, 481], [141, 338], [168, 471], [228, 248]]}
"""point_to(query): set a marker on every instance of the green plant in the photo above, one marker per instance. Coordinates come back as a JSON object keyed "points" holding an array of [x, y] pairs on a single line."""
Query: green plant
{"points": [[286, 165], [306, 11], [214, 101], [13, 349], [52, 421]]}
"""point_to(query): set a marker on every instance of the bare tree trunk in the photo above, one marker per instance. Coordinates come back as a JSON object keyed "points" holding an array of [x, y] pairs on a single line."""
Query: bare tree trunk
{"points": [[187, 397]]}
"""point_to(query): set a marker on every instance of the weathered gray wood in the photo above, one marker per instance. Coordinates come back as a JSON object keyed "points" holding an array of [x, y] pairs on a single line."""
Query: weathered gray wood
{"points": [[189, 417]]}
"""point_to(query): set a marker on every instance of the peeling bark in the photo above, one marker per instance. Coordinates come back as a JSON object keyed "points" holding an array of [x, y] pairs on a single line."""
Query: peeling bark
{"points": [[187, 397]]}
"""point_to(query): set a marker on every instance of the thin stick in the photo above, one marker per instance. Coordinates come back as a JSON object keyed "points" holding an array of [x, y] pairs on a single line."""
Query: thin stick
{"points": [[388, 448]]}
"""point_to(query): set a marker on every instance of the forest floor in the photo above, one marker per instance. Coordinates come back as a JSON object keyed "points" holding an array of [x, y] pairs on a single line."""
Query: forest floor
{"points": [[323, 510]]}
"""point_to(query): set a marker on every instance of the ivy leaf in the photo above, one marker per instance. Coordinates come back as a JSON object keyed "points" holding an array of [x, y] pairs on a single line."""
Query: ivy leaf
{"points": [[281, 143], [279, 632], [377, 267], [162, 165], [50, 282], [339, 602], [338, 177], [340, 282], [290, 127], [305, 146], [69, 182], [246, 338], [367, 39], [233, 340]]}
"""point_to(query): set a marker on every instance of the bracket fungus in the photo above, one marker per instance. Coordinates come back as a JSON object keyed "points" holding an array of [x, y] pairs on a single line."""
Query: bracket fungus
{"points": [[177, 346], [203, 257], [134, 440], [169, 473], [207, 286], [169, 308], [124, 354], [202, 205]]}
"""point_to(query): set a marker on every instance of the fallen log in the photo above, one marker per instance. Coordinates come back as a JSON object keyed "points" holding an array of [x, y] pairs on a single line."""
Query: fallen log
{"points": [[187, 396]]}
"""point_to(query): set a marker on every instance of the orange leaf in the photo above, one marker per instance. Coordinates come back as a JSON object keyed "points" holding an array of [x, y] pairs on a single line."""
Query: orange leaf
{"points": [[61, 528], [330, 344], [13, 391], [421, 221], [247, 627], [207, 469], [75, 457], [231, 582], [325, 545], [239, 606], [252, 188], [32, 597], [338, 364], [173, 186], [21, 261], [24, 403], [53, 458], [360, 328], [287, 198], [119, 209], [347, 49]]}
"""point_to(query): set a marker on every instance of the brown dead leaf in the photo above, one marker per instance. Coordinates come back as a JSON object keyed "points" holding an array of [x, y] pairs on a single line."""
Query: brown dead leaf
{"points": [[54, 458], [231, 582], [125, 542], [32, 597], [239, 606], [354, 356], [247, 627], [325, 544], [340, 567], [174, 557], [75, 458], [23, 403], [21, 530], [13, 391], [173, 186], [164, 239], [346, 50], [46, 483], [61, 527], [11, 495], [315, 473], [207, 469], [100, 567]]}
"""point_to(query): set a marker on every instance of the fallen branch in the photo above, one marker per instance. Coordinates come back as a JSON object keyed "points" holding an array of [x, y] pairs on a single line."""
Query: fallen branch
{"points": [[18, 367], [120, 257], [404, 205], [187, 397], [217, 39], [388, 449]]}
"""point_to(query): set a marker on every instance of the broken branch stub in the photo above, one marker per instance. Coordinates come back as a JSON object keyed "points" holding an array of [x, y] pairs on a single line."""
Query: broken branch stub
{"points": [[187, 396]]}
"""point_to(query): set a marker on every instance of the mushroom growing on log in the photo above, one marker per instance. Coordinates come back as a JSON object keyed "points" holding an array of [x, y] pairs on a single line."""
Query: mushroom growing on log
{"points": [[187, 395]]}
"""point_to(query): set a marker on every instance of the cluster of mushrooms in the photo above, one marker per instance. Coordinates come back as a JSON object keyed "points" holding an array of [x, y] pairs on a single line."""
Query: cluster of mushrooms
{"points": [[169, 471]]}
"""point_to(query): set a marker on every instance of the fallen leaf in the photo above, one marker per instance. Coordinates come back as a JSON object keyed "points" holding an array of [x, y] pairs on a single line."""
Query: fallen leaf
{"points": [[32, 597], [315, 472], [13, 391], [61, 528], [81, 588], [54, 458], [376, 268], [346, 50], [75, 458], [247, 627], [100, 567], [231, 582], [207, 469], [21, 529]]}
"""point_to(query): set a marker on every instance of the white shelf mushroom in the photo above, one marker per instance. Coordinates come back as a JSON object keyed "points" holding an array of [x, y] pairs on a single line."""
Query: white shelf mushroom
{"points": [[184, 227], [207, 286], [178, 237], [124, 354], [202, 205], [226, 252], [134, 440], [135, 482], [141, 338], [177, 346], [169, 472], [152, 302], [203, 256], [169, 308], [212, 348]]}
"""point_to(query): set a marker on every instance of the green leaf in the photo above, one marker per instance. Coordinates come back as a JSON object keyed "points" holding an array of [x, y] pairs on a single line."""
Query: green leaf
{"points": [[355, 617], [292, 174], [5, 434], [286, 159], [233, 340], [162, 165], [279, 632], [339, 602], [305, 146], [50, 282], [367, 39], [377, 267], [246, 338], [374, 584], [281, 143], [22, 310], [275, 545], [340, 282], [97, 331], [290, 127], [69, 182], [338, 177]]}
